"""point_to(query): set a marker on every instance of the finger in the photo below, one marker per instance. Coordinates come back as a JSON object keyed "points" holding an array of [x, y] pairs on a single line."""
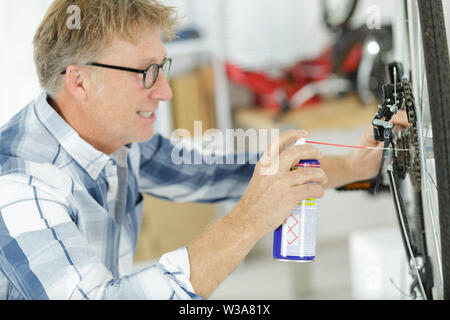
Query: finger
{"points": [[368, 140], [306, 191], [279, 143], [294, 154], [306, 175], [401, 119]]}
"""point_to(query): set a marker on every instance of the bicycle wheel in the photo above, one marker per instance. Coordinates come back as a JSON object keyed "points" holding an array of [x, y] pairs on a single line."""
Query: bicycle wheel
{"points": [[427, 193], [337, 13]]}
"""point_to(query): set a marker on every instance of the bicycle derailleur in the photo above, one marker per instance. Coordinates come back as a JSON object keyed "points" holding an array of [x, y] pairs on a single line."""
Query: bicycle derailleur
{"points": [[397, 95], [402, 153], [401, 157]]}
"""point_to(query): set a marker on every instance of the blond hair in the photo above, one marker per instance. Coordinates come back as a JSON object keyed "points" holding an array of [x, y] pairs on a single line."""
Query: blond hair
{"points": [[57, 45]]}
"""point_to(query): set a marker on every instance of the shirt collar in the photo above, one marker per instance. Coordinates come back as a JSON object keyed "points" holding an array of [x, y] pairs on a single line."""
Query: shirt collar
{"points": [[91, 159]]}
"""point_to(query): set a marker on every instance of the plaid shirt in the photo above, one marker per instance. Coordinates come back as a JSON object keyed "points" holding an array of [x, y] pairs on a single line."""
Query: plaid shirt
{"points": [[70, 215]]}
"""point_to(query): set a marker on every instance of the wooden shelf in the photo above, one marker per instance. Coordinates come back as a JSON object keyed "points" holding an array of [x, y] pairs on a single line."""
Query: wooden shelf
{"points": [[340, 113]]}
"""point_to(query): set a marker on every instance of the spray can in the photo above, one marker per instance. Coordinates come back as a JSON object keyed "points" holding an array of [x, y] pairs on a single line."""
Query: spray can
{"points": [[295, 239]]}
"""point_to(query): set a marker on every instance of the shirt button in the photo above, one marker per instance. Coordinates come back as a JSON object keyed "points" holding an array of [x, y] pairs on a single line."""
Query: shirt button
{"points": [[110, 163]]}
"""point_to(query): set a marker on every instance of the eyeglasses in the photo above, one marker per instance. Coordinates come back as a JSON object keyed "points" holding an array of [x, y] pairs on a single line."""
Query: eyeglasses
{"points": [[150, 74]]}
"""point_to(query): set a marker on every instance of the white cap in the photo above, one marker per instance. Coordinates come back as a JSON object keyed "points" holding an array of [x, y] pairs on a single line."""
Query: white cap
{"points": [[300, 142]]}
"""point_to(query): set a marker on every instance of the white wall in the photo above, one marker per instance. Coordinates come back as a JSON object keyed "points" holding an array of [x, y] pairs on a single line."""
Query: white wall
{"points": [[19, 20], [263, 33]]}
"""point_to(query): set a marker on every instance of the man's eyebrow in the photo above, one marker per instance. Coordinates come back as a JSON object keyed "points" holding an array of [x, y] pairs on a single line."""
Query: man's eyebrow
{"points": [[147, 62]]}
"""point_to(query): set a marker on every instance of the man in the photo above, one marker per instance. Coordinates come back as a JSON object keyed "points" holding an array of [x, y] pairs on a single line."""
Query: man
{"points": [[74, 161]]}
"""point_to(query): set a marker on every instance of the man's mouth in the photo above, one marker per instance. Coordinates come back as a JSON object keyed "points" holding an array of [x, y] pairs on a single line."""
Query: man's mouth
{"points": [[145, 115]]}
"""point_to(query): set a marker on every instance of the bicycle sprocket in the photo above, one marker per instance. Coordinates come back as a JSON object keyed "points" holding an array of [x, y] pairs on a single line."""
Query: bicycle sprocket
{"points": [[409, 162]]}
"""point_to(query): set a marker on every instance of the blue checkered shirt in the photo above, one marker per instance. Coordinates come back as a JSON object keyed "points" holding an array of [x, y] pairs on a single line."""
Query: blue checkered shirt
{"points": [[70, 215]]}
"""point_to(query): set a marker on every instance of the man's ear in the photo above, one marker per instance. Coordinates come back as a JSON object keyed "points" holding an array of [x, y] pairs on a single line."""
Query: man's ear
{"points": [[76, 82]]}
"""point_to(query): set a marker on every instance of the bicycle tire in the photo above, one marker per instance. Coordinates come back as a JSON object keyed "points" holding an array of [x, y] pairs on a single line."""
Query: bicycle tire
{"points": [[342, 24], [437, 66]]}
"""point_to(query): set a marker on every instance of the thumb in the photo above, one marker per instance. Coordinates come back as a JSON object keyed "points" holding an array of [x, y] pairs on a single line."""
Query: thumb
{"points": [[368, 140]]}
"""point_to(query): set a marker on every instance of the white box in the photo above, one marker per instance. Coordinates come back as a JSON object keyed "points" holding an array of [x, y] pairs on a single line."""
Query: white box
{"points": [[378, 264]]}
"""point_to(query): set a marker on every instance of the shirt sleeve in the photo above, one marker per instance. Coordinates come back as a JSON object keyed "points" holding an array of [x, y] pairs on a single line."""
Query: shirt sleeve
{"points": [[43, 255], [172, 170]]}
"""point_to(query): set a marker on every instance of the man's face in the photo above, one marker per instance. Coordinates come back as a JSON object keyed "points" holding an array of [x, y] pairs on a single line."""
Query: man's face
{"points": [[117, 106]]}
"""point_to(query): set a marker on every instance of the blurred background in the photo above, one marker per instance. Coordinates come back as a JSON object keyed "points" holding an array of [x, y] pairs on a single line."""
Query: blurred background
{"points": [[263, 64]]}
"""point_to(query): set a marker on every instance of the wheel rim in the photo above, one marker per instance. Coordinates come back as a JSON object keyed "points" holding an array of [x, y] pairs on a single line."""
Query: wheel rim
{"points": [[427, 160]]}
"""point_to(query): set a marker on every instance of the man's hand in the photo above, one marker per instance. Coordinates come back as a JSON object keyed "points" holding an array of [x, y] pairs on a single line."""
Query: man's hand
{"points": [[361, 164], [270, 198], [366, 163]]}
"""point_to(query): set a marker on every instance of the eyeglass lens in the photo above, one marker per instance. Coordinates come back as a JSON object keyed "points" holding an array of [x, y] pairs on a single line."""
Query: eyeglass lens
{"points": [[153, 72]]}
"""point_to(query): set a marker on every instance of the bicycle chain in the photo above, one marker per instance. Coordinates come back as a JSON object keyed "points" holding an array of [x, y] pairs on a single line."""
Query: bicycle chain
{"points": [[402, 158], [409, 162]]}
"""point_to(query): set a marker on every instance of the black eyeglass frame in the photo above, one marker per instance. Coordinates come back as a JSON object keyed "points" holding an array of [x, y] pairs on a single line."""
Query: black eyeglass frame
{"points": [[143, 71]]}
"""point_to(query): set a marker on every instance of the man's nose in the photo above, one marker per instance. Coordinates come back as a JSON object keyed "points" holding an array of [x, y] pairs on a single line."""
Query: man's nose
{"points": [[161, 89]]}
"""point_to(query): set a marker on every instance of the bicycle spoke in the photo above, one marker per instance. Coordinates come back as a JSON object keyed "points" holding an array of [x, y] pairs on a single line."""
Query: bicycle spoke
{"points": [[401, 213], [436, 231], [432, 179]]}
